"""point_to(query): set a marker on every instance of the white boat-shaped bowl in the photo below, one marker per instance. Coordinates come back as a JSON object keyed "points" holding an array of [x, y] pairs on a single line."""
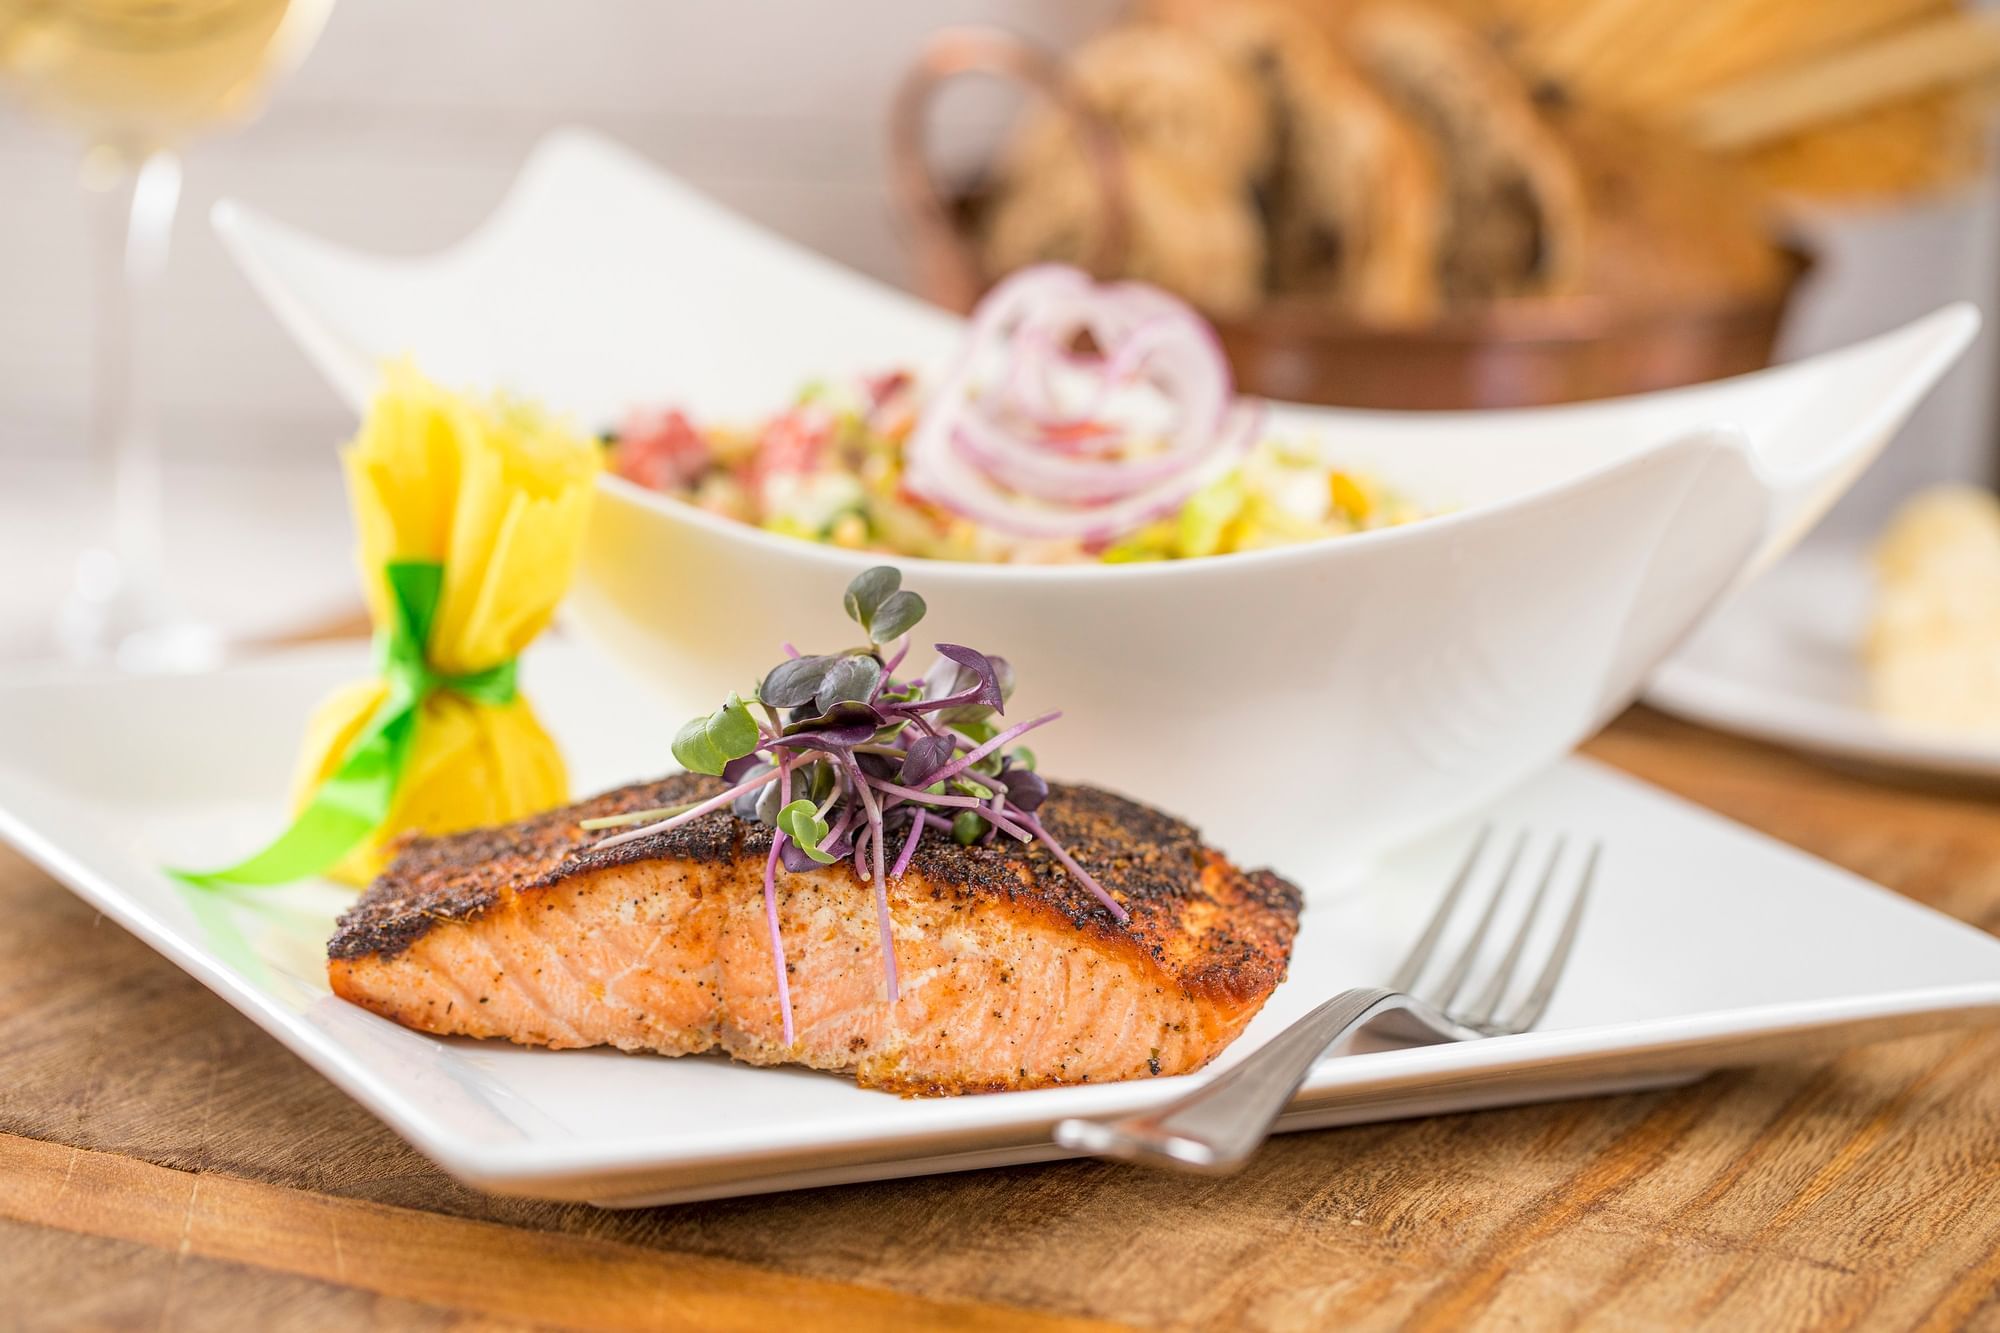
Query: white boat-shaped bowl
{"points": [[1306, 706]]}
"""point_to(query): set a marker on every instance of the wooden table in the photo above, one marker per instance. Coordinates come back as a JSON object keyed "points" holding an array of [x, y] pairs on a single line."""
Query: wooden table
{"points": [[164, 1164]]}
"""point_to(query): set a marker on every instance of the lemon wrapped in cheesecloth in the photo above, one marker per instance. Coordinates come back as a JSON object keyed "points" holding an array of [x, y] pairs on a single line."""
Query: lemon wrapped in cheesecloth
{"points": [[470, 518]]}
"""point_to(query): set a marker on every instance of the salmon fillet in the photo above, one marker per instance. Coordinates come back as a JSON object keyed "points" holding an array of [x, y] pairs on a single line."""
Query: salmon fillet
{"points": [[1013, 975]]}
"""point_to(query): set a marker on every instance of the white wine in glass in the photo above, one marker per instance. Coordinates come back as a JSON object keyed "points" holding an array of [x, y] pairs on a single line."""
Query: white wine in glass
{"points": [[137, 79]]}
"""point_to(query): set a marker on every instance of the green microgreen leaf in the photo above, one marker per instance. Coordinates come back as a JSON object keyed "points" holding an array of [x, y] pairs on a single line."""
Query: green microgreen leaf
{"points": [[1023, 757], [707, 744], [966, 828], [814, 781], [800, 822]]}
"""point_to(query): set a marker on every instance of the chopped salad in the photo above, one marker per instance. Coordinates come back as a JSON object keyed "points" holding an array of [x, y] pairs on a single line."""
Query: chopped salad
{"points": [[1029, 451]]}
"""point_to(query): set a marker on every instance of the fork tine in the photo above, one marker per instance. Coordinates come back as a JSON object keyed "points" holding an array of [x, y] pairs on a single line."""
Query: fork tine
{"points": [[1420, 952], [1530, 1012], [1454, 979], [1488, 1003]]}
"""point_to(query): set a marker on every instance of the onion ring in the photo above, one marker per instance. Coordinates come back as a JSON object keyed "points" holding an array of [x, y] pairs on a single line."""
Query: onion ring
{"points": [[1029, 437]]}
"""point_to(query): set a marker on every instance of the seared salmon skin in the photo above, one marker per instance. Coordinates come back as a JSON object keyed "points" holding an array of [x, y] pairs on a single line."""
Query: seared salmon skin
{"points": [[1013, 976]]}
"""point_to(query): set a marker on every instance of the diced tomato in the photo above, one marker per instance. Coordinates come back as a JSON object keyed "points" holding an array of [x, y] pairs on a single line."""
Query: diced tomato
{"points": [[1064, 432], [881, 388], [660, 448], [1082, 437], [792, 443]]}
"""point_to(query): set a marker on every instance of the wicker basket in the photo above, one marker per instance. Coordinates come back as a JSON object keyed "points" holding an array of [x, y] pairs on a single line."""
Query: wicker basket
{"points": [[1513, 354]]}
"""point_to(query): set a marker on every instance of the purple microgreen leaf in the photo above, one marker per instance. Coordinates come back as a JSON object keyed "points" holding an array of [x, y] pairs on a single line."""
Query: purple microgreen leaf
{"points": [[795, 858], [877, 765], [745, 806], [793, 683], [1026, 789], [974, 755], [852, 677], [1003, 671], [925, 756], [975, 681], [744, 766], [846, 724], [946, 678]]}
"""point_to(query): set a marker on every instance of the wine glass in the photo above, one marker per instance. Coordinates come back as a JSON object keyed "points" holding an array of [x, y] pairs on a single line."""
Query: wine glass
{"points": [[137, 79]]}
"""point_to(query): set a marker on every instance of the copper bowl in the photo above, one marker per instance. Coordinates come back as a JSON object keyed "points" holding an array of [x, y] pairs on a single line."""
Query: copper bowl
{"points": [[1512, 354]]}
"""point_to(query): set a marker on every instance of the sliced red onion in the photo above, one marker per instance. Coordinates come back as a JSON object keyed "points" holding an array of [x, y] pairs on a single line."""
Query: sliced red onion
{"points": [[968, 492], [999, 444]]}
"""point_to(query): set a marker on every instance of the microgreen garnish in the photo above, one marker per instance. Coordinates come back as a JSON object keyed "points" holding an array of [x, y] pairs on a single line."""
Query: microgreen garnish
{"points": [[876, 602], [855, 756], [801, 822], [708, 744]]}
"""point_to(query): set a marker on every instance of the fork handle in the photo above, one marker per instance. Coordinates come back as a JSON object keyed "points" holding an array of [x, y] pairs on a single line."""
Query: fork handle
{"points": [[1217, 1127]]}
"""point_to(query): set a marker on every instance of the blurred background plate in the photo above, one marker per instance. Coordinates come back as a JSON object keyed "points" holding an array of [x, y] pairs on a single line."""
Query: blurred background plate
{"points": [[1780, 661]]}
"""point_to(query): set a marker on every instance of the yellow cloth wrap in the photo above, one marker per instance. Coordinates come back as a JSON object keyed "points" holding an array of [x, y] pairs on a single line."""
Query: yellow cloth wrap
{"points": [[498, 493]]}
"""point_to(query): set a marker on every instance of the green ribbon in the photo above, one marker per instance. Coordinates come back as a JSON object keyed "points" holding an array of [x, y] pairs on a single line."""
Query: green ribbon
{"points": [[354, 800]]}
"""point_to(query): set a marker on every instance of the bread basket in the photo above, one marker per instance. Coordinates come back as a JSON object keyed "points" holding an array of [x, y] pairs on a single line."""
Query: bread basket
{"points": [[1512, 354]]}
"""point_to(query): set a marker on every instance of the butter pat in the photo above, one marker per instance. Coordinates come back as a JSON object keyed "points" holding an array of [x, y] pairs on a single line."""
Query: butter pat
{"points": [[1933, 647]]}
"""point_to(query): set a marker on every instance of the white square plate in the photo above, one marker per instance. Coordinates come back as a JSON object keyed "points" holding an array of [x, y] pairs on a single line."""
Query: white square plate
{"points": [[1705, 945]]}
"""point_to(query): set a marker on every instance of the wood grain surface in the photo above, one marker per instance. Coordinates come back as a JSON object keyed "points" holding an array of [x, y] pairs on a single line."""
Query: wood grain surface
{"points": [[163, 1164]]}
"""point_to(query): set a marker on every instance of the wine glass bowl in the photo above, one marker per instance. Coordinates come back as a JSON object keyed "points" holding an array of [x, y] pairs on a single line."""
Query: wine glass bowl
{"points": [[136, 80]]}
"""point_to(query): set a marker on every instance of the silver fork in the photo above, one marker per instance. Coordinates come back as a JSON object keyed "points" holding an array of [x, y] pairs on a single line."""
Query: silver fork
{"points": [[1217, 1127]]}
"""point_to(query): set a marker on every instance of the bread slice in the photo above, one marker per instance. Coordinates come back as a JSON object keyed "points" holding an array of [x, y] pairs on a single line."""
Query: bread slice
{"points": [[1515, 218], [1353, 199], [1671, 225], [1194, 132]]}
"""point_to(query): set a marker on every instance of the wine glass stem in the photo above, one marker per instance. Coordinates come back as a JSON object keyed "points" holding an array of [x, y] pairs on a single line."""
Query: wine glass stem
{"points": [[135, 228]]}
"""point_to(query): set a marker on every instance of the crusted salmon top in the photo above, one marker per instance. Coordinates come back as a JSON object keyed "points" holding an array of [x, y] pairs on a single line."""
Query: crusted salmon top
{"points": [[1211, 927]]}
